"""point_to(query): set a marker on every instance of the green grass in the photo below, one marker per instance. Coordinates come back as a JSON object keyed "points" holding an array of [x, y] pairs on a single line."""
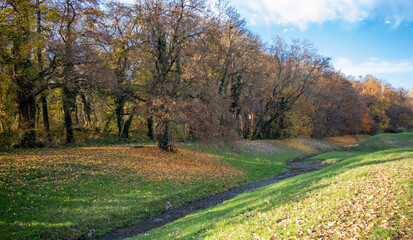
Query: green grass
{"points": [[260, 165], [81, 194], [371, 144], [385, 141], [366, 194], [71, 197], [265, 163]]}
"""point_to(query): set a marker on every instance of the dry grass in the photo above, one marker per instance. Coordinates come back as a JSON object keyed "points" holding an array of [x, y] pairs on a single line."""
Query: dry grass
{"points": [[309, 146], [347, 139]]}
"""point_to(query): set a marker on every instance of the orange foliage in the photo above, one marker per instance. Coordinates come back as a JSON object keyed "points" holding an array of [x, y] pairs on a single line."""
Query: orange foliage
{"points": [[367, 121]]}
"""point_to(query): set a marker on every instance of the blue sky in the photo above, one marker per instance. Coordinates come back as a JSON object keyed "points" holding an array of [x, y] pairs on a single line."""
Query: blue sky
{"points": [[361, 36]]}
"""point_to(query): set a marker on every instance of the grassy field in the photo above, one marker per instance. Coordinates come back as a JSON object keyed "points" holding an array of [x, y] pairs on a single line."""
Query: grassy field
{"points": [[366, 194], [68, 193]]}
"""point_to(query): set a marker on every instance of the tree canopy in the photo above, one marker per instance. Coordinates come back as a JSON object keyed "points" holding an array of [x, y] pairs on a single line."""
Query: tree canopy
{"points": [[172, 70]]}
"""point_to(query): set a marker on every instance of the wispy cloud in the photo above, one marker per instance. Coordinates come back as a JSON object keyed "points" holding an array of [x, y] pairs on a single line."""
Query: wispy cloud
{"points": [[372, 66], [302, 13]]}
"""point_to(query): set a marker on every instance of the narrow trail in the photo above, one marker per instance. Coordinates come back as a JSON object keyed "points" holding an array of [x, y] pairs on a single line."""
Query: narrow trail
{"points": [[298, 167]]}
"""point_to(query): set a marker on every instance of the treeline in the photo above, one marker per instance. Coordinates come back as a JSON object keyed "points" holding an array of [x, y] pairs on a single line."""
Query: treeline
{"points": [[171, 69]]}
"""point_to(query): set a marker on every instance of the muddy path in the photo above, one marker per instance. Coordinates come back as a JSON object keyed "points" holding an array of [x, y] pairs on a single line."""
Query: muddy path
{"points": [[297, 166]]}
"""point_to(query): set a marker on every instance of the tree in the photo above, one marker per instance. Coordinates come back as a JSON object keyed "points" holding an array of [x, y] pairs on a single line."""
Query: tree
{"points": [[119, 36], [22, 60], [338, 107], [374, 95], [400, 110], [71, 46], [224, 60], [168, 27], [291, 71], [177, 68]]}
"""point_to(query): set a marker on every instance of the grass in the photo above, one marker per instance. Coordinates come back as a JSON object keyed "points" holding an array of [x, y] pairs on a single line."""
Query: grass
{"points": [[366, 194], [66, 193], [261, 160], [372, 144]]}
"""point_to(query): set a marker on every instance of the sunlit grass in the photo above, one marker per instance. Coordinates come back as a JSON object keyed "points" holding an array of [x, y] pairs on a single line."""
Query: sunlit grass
{"points": [[366, 194]]}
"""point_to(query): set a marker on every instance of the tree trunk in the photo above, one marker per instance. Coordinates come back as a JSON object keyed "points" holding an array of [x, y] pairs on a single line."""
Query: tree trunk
{"points": [[263, 128], [236, 89], [107, 123], [258, 129], [150, 127], [69, 74], [25, 97], [76, 110], [45, 112], [87, 109], [27, 109], [126, 127], [120, 104], [67, 102], [46, 123], [163, 138], [266, 130]]}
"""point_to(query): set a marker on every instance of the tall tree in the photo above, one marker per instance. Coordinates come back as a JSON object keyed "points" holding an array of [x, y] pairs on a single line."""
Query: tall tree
{"points": [[374, 93], [338, 109], [169, 26], [400, 111], [20, 49], [119, 36], [292, 70], [71, 49]]}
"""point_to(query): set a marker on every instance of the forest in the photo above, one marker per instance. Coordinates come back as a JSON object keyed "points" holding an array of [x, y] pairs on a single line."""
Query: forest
{"points": [[172, 70]]}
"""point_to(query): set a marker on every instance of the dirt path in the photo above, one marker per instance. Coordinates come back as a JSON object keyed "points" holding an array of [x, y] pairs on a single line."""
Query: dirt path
{"points": [[298, 167]]}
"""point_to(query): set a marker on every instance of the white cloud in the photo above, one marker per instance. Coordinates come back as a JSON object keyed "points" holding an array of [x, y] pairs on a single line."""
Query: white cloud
{"points": [[285, 30], [302, 13], [397, 11], [372, 66]]}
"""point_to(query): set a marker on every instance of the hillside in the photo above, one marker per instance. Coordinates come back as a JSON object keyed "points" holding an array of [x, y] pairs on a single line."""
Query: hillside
{"points": [[367, 193]]}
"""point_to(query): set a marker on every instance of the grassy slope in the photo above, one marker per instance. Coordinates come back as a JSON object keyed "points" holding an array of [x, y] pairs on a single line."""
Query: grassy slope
{"points": [[264, 159], [367, 194], [67, 193]]}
